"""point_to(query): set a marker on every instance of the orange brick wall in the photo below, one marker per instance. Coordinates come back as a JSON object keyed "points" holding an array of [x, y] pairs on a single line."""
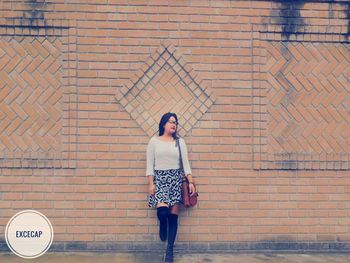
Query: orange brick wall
{"points": [[261, 89]]}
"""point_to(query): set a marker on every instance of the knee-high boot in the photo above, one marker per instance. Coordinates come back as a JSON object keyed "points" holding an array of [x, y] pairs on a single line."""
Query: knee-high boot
{"points": [[162, 214], [172, 221]]}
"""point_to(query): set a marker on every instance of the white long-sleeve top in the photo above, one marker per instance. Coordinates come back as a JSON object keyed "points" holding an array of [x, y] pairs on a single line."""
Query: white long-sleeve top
{"points": [[163, 155]]}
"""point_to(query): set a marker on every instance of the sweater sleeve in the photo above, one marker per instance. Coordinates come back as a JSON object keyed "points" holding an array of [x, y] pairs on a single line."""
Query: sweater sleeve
{"points": [[184, 155], [150, 158]]}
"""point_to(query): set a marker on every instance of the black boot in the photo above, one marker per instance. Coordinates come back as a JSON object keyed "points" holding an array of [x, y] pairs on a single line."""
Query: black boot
{"points": [[169, 254], [172, 221], [162, 213]]}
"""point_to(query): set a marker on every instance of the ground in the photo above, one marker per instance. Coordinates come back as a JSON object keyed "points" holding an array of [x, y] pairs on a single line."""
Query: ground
{"points": [[195, 258]]}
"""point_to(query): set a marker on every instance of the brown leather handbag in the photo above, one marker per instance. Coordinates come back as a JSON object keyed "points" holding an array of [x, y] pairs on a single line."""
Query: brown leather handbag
{"points": [[188, 200]]}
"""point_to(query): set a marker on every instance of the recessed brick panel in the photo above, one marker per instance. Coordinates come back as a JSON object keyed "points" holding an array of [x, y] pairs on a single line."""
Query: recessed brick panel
{"points": [[308, 98], [302, 101], [31, 95], [38, 97]]}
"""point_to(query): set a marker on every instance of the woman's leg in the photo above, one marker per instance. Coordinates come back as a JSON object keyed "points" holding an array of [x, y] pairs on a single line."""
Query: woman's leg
{"points": [[162, 214], [172, 221]]}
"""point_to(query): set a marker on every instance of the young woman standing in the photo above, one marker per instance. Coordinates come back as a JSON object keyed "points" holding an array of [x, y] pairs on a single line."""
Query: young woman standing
{"points": [[165, 178]]}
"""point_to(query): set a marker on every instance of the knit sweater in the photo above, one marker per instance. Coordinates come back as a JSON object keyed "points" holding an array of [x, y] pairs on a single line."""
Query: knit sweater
{"points": [[163, 155]]}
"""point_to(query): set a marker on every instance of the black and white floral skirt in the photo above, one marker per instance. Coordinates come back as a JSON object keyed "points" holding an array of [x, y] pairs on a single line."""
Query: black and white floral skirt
{"points": [[168, 184]]}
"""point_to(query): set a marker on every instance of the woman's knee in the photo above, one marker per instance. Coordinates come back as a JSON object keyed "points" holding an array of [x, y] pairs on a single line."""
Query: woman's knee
{"points": [[175, 209], [162, 204], [162, 212]]}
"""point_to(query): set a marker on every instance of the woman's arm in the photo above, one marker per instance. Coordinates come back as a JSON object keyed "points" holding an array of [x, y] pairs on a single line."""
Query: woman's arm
{"points": [[150, 167], [150, 159]]}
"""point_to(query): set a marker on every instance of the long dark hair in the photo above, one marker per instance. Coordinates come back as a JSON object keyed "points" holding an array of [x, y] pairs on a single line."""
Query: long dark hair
{"points": [[164, 120]]}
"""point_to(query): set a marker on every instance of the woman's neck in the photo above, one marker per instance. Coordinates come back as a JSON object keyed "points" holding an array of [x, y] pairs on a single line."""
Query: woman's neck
{"points": [[167, 137]]}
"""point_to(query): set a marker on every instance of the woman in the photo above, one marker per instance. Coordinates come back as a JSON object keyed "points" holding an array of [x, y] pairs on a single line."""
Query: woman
{"points": [[165, 181]]}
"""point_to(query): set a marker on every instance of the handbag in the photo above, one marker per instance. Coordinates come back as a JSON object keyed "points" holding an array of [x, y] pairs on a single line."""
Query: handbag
{"points": [[188, 200]]}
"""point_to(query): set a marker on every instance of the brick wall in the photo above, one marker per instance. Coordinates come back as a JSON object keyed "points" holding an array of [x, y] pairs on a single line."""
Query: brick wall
{"points": [[261, 89]]}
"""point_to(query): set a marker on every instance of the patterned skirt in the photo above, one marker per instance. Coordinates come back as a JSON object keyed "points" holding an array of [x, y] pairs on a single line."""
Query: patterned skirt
{"points": [[168, 186]]}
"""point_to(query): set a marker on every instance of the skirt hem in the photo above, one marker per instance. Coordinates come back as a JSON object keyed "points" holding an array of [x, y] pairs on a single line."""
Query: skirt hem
{"points": [[168, 187]]}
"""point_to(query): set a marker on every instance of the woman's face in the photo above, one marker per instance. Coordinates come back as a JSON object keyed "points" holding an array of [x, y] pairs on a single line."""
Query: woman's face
{"points": [[170, 126]]}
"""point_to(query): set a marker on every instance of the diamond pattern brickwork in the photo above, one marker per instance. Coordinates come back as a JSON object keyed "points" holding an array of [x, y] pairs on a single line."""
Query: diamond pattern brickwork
{"points": [[165, 83]]}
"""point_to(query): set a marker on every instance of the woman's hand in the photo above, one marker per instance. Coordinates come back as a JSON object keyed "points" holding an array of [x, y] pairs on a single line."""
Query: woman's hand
{"points": [[151, 189], [192, 189]]}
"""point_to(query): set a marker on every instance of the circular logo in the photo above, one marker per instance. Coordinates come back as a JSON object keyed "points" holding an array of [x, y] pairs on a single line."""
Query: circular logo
{"points": [[29, 234]]}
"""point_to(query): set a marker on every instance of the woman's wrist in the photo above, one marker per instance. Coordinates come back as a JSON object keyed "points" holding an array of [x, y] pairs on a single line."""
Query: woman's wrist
{"points": [[150, 179], [190, 179]]}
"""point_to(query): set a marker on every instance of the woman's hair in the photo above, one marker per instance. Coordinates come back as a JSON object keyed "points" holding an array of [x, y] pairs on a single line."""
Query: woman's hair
{"points": [[164, 120]]}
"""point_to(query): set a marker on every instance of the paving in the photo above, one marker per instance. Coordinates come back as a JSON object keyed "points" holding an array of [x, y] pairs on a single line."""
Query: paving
{"points": [[65, 257]]}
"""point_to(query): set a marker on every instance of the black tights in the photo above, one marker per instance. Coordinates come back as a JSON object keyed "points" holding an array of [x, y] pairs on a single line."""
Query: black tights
{"points": [[172, 221], [163, 214]]}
